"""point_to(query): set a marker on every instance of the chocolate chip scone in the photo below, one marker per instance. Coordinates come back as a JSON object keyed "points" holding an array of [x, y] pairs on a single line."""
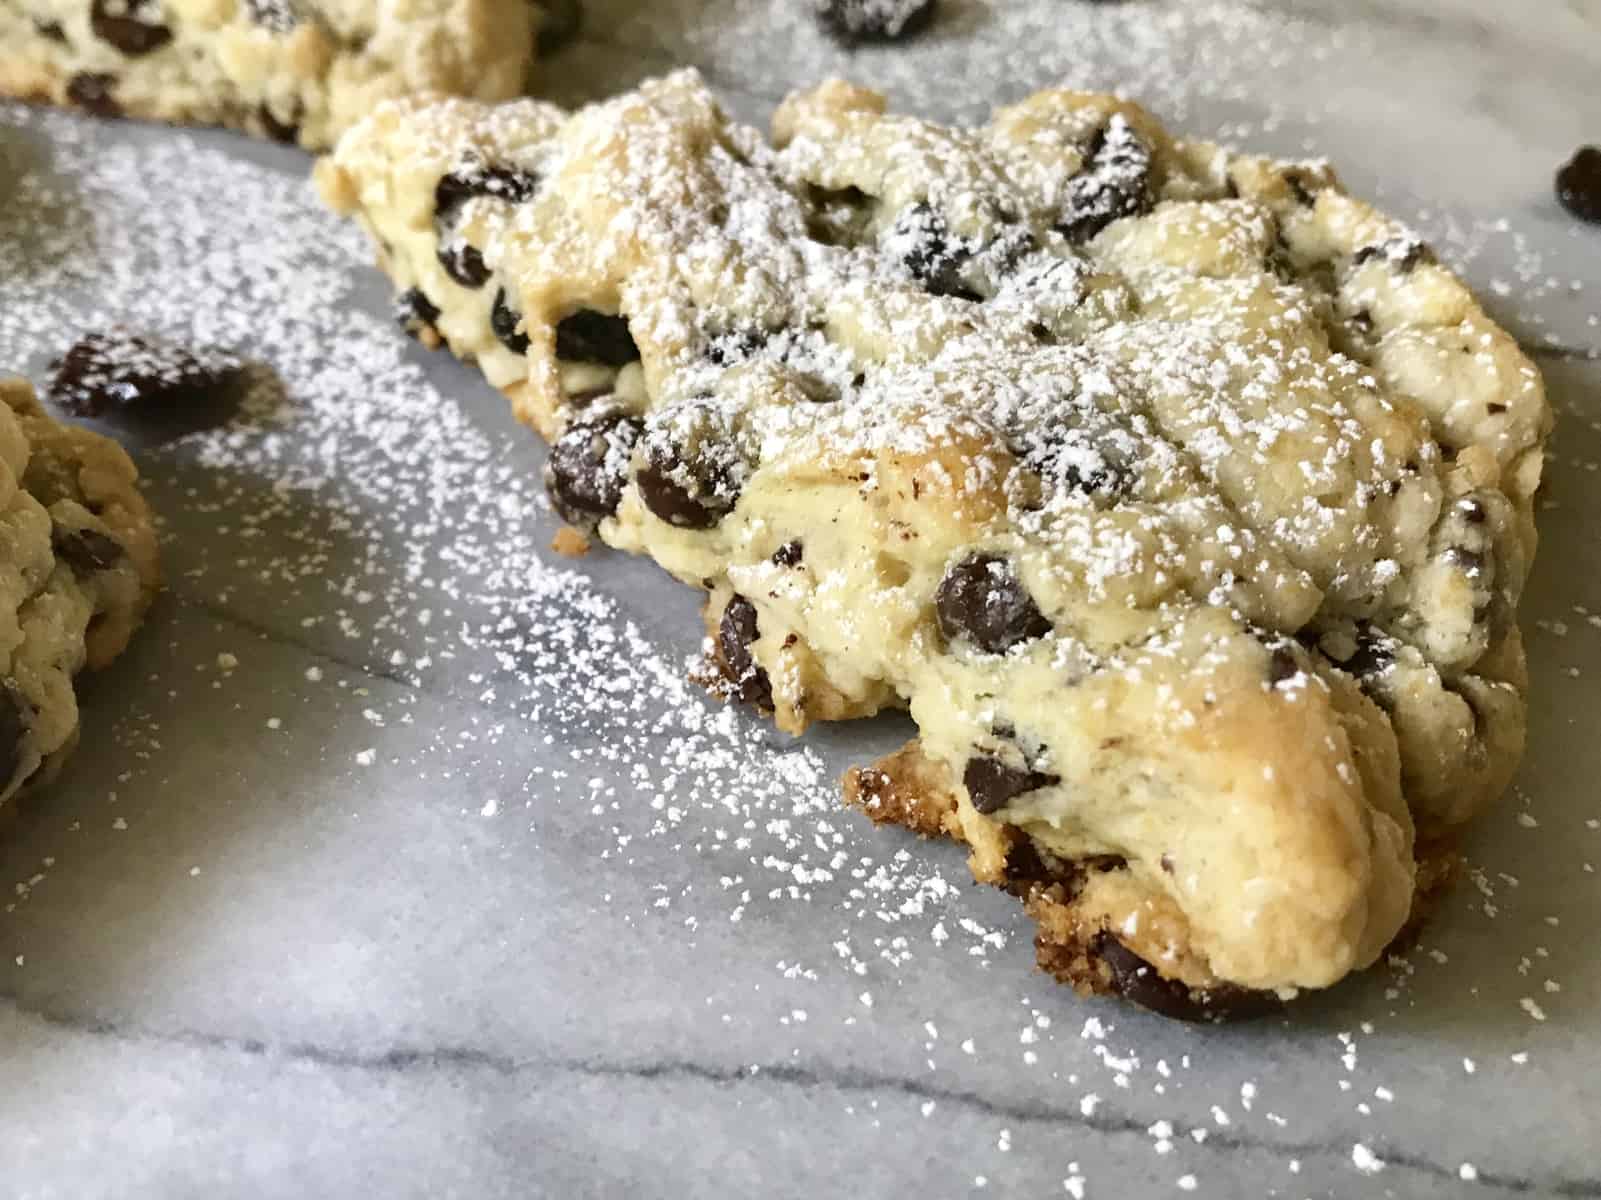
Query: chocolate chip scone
{"points": [[294, 70], [1184, 500], [77, 572]]}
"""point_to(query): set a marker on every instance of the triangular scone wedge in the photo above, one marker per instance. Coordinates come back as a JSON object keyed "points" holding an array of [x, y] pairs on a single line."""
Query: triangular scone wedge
{"points": [[1183, 500], [292, 70]]}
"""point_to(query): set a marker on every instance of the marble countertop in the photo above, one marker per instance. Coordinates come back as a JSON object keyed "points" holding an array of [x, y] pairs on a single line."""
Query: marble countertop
{"points": [[399, 859]]}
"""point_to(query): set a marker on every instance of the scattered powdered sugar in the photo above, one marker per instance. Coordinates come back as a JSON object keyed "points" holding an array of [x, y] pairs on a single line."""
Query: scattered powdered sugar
{"points": [[416, 551]]}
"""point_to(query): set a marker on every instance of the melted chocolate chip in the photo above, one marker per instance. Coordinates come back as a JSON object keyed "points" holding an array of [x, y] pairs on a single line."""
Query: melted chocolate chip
{"points": [[461, 185], [92, 93], [1578, 184], [735, 346], [590, 336], [503, 321], [1298, 185], [118, 370], [875, 20], [1140, 983], [51, 31], [125, 27], [14, 711], [1470, 561], [415, 312], [463, 263], [1072, 457], [982, 601], [789, 554], [85, 550], [1115, 182], [992, 784], [559, 23], [588, 468], [1472, 511], [736, 631]]}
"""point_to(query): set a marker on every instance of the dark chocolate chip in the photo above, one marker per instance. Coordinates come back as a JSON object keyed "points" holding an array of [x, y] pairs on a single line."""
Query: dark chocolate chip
{"points": [[588, 468], [1578, 184], [415, 312], [875, 20], [789, 554], [85, 550], [992, 784], [1472, 511], [92, 93], [1402, 254], [982, 600], [1297, 183], [1362, 321], [503, 320], [463, 263], [930, 254], [287, 132], [117, 370], [125, 29], [726, 349], [736, 631], [1115, 182], [1283, 667], [51, 31], [672, 501], [559, 23], [1071, 453], [590, 336], [1138, 982], [473, 179], [275, 16], [1375, 654], [1470, 561], [14, 723]]}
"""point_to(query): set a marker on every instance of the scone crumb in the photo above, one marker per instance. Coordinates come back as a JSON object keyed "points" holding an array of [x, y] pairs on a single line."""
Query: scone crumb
{"points": [[570, 542]]}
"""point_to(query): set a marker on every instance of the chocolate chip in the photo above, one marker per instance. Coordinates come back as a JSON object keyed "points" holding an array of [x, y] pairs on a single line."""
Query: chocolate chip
{"points": [[1470, 561], [125, 29], [1115, 182], [931, 255], [51, 31], [875, 20], [1472, 511], [503, 321], [474, 179], [736, 631], [1071, 453], [726, 349], [1375, 654], [673, 501], [789, 554], [14, 723], [590, 336], [92, 93], [463, 263], [1402, 254], [1138, 982], [1578, 184], [85, 550], [275, 16], [992, 784], [1283, 666], [982, 600], [588, 468], [117, 370], [287, 132], [1298, 183], [415, 312], [559, 23]]}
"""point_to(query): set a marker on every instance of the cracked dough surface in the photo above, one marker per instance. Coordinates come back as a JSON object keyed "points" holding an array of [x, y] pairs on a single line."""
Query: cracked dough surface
{"points": [[1184, 500]]}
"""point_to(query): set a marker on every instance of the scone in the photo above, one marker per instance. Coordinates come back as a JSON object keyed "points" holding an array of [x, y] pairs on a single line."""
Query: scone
{"points": [[294, 70], [77, 572], [1184, 500]]}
